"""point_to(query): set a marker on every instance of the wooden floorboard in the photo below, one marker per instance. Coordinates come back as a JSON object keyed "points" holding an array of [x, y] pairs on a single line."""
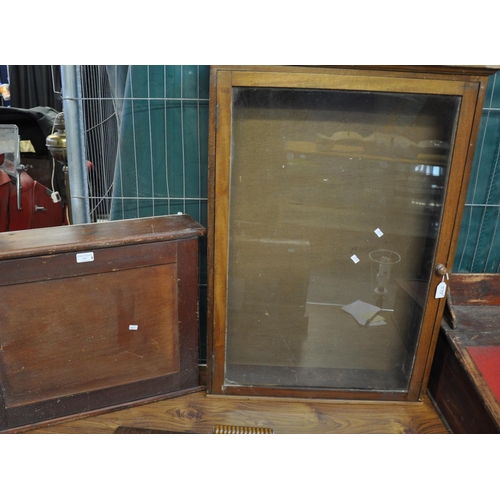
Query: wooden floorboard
{"points": [[198, 413]]}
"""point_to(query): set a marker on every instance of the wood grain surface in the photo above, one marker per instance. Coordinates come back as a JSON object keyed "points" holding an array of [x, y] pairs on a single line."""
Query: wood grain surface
{"points": [[133, 334], [199, 413], [460, 390], [475, 289]]}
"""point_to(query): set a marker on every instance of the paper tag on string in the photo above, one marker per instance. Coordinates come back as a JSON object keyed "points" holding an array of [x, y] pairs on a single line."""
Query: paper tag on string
{"points": [[441, 290]]}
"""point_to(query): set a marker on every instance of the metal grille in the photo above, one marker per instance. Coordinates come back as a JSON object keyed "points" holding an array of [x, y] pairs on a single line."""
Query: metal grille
{"points": [[100, 139], [146, 146], [146, 137]]}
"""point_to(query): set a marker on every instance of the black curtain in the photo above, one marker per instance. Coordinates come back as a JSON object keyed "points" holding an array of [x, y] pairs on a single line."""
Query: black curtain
{"points": [[32, 86]]}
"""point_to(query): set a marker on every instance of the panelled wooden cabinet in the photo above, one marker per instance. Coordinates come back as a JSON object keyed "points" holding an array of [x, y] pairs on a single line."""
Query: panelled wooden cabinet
{"points": [[97, 316], [335, 201]]}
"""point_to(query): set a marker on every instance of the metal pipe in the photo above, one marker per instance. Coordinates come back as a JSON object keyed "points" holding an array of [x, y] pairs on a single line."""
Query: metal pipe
{"points": [[77, 171]]}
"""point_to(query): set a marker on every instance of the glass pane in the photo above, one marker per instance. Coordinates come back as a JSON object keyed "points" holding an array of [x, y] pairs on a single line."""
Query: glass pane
{"points": [[335, 203]]}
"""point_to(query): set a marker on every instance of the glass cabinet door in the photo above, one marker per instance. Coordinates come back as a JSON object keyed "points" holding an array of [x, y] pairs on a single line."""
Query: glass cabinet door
{"points": [[333, 200]]}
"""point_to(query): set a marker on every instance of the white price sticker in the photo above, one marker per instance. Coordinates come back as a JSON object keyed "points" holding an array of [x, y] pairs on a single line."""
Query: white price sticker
{"points": [[84, 257], [441, 290]]}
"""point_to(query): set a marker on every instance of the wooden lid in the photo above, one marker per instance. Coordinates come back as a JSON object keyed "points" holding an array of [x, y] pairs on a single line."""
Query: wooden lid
{"points": [[52, 240]]}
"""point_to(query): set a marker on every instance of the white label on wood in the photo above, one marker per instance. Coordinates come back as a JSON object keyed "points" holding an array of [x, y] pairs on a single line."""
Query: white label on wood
{"points": [[84, 257]]}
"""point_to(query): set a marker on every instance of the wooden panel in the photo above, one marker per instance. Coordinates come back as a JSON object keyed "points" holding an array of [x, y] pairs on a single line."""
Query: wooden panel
{"points": [[454, 72], [87, 333], [343, 82], [120, 329], [475, 289], [477, 327], [188, 311], [63, 265], [91, 236], [448, 72], [456, 394], [212, 126], [220, 237], [83, 404], [461, 391]]}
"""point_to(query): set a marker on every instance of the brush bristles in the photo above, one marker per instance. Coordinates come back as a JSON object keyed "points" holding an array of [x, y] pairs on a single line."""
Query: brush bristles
{"points": [[238, 429]]}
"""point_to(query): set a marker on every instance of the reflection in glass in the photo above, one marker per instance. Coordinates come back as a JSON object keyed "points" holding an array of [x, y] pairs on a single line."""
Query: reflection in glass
{"points": [[335, 203]]}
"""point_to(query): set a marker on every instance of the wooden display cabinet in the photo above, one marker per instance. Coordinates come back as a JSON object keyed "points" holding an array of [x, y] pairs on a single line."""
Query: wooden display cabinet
{"points": [[97, 316], [335, 194]]}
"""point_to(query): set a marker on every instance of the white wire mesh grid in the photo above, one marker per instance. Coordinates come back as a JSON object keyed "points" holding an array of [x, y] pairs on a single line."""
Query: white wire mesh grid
{"points": [[479, 235], [102, 103]]}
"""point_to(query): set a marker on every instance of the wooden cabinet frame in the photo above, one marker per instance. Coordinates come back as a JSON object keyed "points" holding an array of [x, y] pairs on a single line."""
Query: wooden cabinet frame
{"points": [[97, 317], [467, 83]]}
